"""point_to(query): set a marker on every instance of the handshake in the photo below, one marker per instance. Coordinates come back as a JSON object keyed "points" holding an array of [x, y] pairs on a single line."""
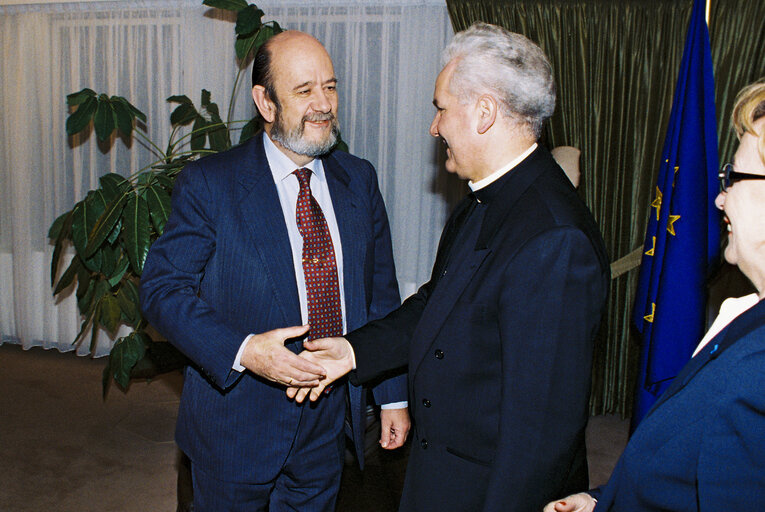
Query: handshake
{"points": [[309, 373], [333, 355]]}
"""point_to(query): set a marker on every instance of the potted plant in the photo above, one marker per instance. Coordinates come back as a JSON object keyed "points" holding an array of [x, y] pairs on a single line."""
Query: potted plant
{"points": [[112, 228]]}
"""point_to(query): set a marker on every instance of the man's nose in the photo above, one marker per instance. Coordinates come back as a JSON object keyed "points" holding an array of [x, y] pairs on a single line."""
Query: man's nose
{"points": [[434, 126]]}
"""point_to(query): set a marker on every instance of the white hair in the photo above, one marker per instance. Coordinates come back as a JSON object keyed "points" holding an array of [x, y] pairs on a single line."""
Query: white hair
{"points": [[509, 66]]}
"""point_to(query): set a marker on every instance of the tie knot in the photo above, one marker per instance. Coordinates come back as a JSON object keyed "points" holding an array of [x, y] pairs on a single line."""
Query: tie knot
{"points": [[304, 176]]}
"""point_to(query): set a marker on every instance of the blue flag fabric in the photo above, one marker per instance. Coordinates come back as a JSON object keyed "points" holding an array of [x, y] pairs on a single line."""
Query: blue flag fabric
{"points": [[683, 235]]}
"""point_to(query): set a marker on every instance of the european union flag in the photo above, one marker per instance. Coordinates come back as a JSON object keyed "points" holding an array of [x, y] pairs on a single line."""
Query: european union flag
{"points": [[682, 238]]}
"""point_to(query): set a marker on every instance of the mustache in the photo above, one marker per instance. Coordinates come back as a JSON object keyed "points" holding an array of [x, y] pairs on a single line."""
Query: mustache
{"points": [[318, 116]]}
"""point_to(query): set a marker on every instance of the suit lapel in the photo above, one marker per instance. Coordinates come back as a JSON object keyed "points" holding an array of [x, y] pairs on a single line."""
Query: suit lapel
{"points": [[509, 188], [344, 204], [261, 212], [742, 325], [439, 306]]}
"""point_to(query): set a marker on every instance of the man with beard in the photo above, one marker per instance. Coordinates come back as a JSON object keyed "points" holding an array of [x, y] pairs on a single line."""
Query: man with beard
{"points": [[273, 242]]}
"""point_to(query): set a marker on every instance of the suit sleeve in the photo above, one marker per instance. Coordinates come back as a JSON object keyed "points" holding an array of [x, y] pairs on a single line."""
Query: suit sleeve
{"points": [[548, 315], [385, 292], [170, 282], [383, 345], [731, 465]]}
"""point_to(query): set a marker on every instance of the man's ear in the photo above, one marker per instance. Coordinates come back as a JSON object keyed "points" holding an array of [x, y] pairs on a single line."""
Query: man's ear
{"points": [[266, 107], [486, 107]]}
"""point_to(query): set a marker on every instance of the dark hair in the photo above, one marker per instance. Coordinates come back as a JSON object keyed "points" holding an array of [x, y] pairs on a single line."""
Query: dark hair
{"points": [[261, 72]]}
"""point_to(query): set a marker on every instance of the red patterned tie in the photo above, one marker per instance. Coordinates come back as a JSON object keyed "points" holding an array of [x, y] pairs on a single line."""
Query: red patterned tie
{"points": [[319, 264]]}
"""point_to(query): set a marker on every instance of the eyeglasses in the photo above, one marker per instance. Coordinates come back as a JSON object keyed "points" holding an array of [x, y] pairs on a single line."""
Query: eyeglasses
{"points": [[728, 177]]}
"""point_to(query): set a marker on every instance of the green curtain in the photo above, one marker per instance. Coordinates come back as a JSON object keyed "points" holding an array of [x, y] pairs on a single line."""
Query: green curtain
{"points": [[615, 66], [737, 35]]}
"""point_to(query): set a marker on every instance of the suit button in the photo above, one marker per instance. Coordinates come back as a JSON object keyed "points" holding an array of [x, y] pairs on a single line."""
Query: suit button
{"points": [[424, 444], [439, 353], [426, 402]]}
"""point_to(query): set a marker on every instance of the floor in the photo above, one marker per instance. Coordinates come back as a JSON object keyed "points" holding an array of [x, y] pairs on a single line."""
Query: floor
{"points": [[65, 447]]}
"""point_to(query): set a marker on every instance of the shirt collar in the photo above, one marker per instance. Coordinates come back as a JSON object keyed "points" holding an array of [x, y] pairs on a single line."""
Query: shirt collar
{"points": [[491, 178], [281, 165]]}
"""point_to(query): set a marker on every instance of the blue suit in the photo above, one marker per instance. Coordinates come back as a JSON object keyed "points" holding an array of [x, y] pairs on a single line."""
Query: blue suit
{"points": [[499, 347], [223, 269], [702, 445]]}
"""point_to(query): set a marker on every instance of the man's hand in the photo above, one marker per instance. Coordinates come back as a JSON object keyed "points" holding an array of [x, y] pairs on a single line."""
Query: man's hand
{"points": [[266, 355], [394, 427], [334, 354], [581, 502]]}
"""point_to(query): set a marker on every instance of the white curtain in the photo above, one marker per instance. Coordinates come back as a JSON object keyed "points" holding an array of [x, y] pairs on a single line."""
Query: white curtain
{"points": [[386, 57]]}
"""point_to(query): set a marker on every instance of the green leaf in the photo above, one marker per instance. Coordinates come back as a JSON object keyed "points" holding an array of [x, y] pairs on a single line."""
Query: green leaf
{"points": [[183, 114], [167, 181], [249, 130], [244, 45], [127, 297], [248, 20], [104, 121], [123, 117], [206, 96], [84, 284], [80, 118], [60, 230], [229, 5], [136, 231], [126, 352], [182, 99], [101, 290], [113, 185], [341, 145], [83, 327], [198, 134], [121, 267], [115, 234], [110, 313], [80, 226], [159, 207], [68, 276], [219, 139], [55, 229], [77, 98], [134, 112], [106, 222], [109, 258]]}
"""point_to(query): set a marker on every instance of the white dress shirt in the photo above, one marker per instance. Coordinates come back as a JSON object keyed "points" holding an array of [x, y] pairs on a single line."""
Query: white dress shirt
{"points": [[729, 310], [288, 187]]}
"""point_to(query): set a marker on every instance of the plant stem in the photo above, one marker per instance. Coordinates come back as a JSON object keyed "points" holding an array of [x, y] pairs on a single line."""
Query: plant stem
{"points": [[158, 150]]}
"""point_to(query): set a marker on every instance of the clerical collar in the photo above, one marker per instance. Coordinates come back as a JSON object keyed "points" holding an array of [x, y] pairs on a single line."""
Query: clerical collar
{"points": [[475, 186]]}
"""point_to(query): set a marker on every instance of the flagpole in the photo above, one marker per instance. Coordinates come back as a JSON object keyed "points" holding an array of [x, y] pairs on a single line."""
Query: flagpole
{"points": [[708, 9]]}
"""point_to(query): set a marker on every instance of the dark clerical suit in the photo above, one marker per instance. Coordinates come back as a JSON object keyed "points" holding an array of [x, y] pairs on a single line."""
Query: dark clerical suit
{"points": [[224, 269], [702, 445], [499, 345]]}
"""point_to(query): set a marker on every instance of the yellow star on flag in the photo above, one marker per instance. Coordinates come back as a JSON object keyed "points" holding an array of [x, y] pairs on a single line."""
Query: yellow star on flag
{"points": [[657, 203], [651, 251], [671, 224], [649, 318]]}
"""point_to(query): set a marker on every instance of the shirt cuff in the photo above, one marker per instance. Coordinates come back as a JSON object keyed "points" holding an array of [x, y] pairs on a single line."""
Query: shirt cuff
{"points": [[395, 405], [237, 366]]}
